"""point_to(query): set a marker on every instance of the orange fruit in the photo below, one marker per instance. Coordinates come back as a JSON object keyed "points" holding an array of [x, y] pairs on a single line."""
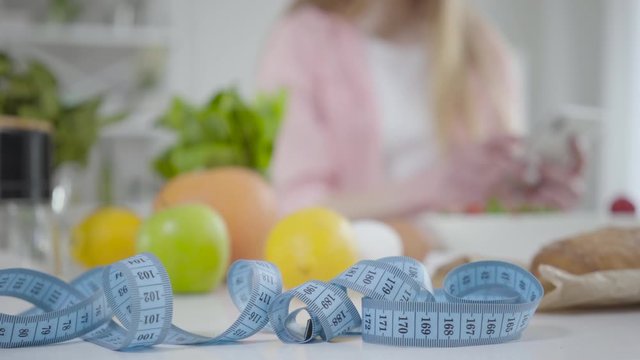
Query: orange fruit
{"points": [[241, 196]]}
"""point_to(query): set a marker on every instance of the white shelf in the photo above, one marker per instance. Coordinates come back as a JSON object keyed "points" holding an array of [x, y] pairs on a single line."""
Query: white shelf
{"points": [[85, 35]]}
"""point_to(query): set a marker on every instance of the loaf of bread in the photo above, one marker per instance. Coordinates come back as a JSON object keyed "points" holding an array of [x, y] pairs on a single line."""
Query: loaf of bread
{"points": [[606, 249]]}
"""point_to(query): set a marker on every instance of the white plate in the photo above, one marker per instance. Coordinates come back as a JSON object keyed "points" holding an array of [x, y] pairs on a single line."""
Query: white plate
{"points": [[516, 237]]}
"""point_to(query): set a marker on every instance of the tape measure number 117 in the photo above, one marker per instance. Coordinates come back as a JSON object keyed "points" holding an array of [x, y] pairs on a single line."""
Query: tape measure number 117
{"points": [[481, 303]]}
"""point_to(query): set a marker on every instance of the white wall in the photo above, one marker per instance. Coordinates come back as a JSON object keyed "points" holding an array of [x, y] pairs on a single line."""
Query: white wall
{"points": [[621, 158], [218, 43], [559, 43], [633, 183]]}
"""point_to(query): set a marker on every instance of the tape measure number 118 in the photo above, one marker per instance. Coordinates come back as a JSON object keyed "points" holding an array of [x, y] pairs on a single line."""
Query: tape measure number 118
{"points": [[482, 303]]}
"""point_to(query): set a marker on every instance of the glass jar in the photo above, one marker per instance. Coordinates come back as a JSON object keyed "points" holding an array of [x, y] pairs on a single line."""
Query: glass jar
{"points": [[27, 224]]}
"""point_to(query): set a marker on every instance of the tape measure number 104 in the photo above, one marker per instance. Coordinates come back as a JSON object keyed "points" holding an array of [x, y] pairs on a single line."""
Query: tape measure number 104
{"points": [[481, 303]]}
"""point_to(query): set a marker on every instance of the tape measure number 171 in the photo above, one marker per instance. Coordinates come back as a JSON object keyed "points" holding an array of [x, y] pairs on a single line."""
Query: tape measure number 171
{"points": [[481, 303]]}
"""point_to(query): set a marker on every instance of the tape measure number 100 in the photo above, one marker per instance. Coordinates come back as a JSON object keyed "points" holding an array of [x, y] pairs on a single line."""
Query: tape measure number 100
{"points": [[482, 303]]}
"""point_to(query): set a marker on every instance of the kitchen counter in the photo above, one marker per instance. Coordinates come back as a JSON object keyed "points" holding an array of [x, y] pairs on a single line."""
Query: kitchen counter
{"points": [[570, 335]]}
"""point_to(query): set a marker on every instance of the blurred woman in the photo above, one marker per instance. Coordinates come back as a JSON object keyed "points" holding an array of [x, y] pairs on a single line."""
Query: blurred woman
{"points": [[399, 107]]}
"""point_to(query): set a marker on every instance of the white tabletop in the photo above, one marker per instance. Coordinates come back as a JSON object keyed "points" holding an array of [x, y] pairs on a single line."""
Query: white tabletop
{"points": [[602, 334]]}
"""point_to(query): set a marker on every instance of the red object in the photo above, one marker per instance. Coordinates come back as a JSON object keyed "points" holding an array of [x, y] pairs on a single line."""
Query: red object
{"points": [[474, 209], [622, 205]]}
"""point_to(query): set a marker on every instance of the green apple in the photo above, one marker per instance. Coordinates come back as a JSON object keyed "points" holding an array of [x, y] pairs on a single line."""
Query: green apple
{"points": [[192, 243]]}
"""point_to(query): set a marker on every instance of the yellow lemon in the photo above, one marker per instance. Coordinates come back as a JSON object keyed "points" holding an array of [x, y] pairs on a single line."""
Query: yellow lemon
{"points": [[311, 244], [106, 236]]}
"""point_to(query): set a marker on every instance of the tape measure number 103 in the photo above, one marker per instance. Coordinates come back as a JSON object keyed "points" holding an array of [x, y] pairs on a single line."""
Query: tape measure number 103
{"points": [[481, 303]]}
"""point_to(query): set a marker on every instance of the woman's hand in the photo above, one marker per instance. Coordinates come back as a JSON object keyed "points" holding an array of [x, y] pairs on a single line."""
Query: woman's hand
{"points": [[559, 185], [469, 175], [472, 174], [495, 169]]}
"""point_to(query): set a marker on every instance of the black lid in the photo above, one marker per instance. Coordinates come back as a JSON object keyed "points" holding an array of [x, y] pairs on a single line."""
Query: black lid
{"points": [[25, 163]]}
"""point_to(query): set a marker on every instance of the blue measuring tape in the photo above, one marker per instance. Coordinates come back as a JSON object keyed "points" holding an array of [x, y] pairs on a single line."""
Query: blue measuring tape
{"points": [[482, 303]]}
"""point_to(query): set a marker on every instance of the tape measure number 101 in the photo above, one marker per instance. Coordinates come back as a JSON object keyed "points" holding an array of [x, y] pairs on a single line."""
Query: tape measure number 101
{"points": [[482, 303]]}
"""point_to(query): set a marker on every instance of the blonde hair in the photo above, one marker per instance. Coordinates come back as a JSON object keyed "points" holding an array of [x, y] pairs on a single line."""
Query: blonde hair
{"points": [[461, 45]]}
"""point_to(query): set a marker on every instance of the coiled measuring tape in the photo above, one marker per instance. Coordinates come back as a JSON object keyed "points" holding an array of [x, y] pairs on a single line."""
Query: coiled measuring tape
{"points": [[135, 291], [482, 303]]}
